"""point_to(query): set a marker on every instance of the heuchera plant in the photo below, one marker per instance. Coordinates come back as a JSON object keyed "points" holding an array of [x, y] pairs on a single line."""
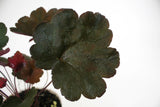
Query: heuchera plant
{"points": [[75, 48]]}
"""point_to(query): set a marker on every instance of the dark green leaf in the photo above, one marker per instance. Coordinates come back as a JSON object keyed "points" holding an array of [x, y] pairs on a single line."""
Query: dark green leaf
{"points": [[29, 98], [68, 79], [92, 85], [77, 51], [12, 101], [94, 28], [74, 82], [50, 38], [44, 55], [105, 61], [90, 57], [92, 64], [3, 29], [3, 38]]}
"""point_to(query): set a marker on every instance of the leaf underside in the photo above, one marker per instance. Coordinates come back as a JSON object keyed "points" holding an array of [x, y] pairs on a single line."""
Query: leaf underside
{"points": [[77, 51]]}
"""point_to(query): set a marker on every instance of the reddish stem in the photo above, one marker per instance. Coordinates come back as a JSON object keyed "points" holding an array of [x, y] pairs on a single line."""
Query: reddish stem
{"points": [[2, 52], [10, 89], [36, 102], [45, 87], [6, 96], [10, 82], [16, 87]]}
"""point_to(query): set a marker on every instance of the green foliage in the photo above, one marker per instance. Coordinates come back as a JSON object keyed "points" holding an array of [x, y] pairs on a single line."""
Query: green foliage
{"points": [[52, 38], [14, 101], [77, 51], [3, 61], [29, 98], [3, 38]]}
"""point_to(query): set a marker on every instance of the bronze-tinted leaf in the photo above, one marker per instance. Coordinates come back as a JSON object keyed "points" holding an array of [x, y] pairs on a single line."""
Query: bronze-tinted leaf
{"points": [[27, 25], [34, 74], [24, 68], [29, 73]]}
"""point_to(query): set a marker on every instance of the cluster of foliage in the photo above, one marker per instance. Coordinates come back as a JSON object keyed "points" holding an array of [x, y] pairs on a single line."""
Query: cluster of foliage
{"points": [[75, 48], [19, 64]]}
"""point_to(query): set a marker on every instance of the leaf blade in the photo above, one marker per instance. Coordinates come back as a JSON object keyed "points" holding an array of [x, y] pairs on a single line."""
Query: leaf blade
{"points": [[67, 78], [3, 39]]}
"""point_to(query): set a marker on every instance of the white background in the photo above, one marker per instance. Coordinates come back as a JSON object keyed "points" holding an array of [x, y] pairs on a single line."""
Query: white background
{"points": [[136, 30]]}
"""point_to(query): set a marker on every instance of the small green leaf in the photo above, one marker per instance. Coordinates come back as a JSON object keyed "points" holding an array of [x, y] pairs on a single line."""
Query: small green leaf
{"points": [[14, 101], [3, 61], [3, 29], [3, 38], [29, 98]]}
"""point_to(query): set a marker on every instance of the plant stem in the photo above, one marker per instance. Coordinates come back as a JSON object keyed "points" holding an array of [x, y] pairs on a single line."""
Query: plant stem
{"points": [[36, 102], [46, 80], [7, 80], [3, 94], [10, 82], [16, 87], [45, 87], [10, 90], [4, 51]]}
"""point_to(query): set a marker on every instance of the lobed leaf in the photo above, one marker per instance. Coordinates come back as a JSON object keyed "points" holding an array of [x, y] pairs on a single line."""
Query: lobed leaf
{"points": [[90, 57], [29, 73], [27, 25], [67, 78], [77, 50], [24, 68], [50, 38], [74, 82]]}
